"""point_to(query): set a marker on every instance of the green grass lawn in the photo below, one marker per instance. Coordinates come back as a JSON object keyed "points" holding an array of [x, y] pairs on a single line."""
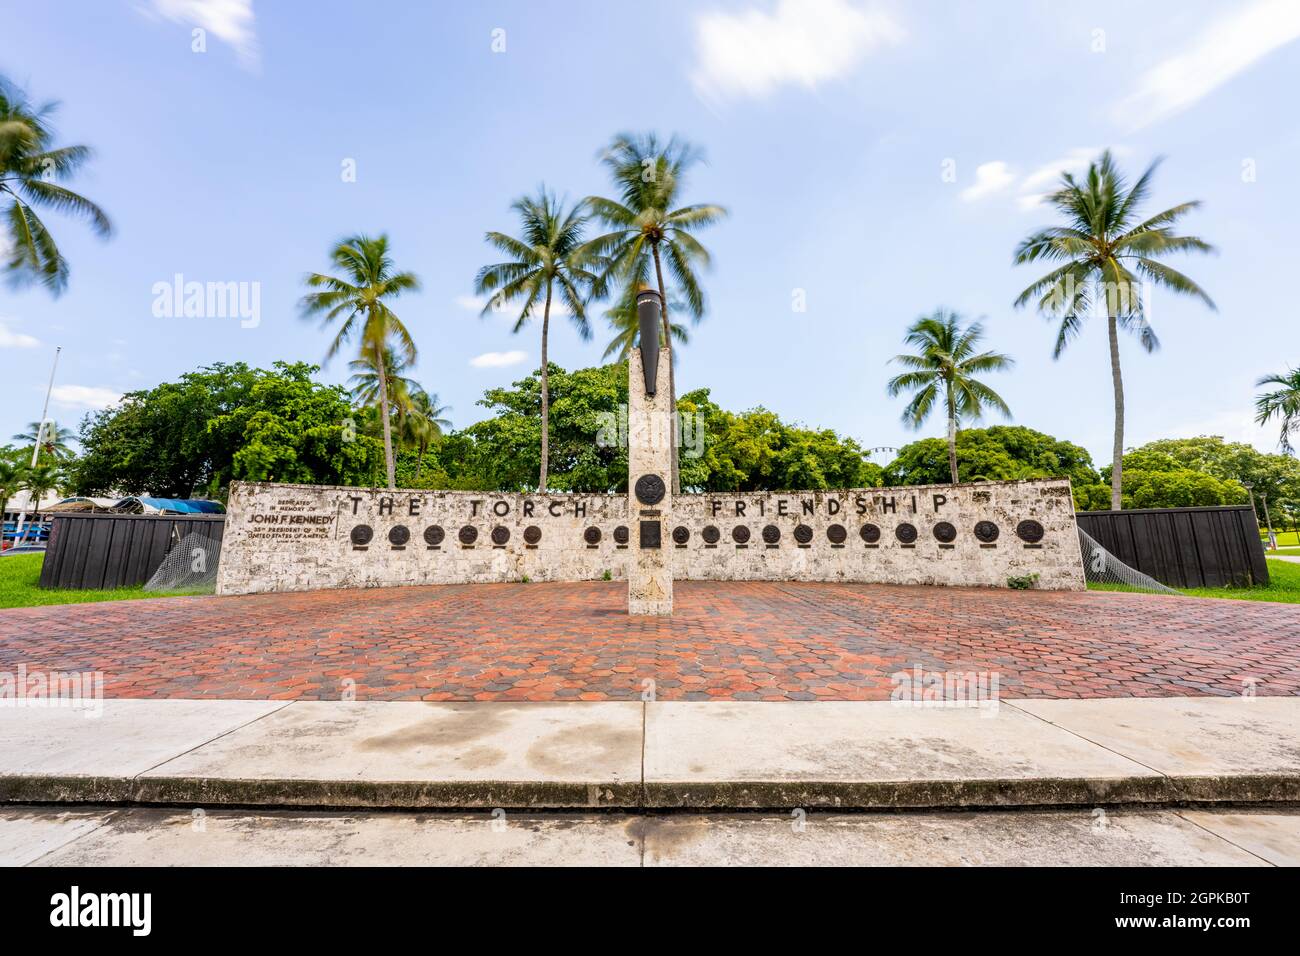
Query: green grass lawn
{"points": [[1284, 539], [18, 587], [1283, 586]]}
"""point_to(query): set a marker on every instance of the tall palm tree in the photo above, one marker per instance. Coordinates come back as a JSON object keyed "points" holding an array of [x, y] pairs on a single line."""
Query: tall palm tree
{"points": [[423, 423], [1100, 246], [1283, 404], [30, 170], [648, 228], [625, 325], [943, 368], [364, 381], [54, 440], [544, 262], [359, 302], [12, 476]]}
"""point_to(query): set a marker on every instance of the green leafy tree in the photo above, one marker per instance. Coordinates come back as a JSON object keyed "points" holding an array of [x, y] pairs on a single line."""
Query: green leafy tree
{"points": [[359, 302], [1000, 453], [544, 261], [1156, 480], [32, 173], [1105, 251], [1283, 403], [649, 229], [54, 439], [942, 371], [1274, 478], [225, 422], [44, 478], [365, 386]]}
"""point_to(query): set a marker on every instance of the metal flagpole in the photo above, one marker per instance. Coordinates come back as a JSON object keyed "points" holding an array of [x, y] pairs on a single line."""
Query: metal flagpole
{"points": [[36, 450]]}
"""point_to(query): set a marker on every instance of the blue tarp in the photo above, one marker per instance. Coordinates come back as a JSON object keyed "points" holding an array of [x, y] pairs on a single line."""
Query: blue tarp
{"points": [[183, 506]]}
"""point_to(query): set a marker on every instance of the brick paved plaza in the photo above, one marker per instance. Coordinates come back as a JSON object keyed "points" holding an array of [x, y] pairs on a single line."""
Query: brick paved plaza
{"points": [[739, 641]]}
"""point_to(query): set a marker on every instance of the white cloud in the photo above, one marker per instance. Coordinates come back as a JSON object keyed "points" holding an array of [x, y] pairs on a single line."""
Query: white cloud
{"points": [[498, 359], [230, 21], [1035, 186], [84, 396], [475, 303], [989, 178], [10, 339], [1223, 49], [799, 43]]}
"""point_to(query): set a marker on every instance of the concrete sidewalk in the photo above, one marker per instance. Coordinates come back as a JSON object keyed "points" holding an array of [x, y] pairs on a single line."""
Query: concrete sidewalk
{"points": [[623, 755]]}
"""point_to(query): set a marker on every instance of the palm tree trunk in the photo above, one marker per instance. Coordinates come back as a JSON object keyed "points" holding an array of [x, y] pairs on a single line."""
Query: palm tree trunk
{"points": [[419, 463], [389, 466], [1117, 460], [952, 445], [546, 392], [672, 379]]}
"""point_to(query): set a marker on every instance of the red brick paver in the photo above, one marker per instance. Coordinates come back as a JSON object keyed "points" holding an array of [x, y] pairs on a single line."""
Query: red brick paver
{"points": [[733, 641]]}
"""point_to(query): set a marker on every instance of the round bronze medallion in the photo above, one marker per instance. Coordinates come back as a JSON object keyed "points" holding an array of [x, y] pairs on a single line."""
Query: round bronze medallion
{"points": [[650, 489], [620, 534], [710, 535], [399, 534], [740, 534], [803, 534], [986, 531], [870, 533], [836, 534], [1030, 531], [434, 534], [771, 534], [532, 534], [361, 535], [906, 533], [591, 535], [468, 534], [681, 534], [500, 534], [945, 532]]}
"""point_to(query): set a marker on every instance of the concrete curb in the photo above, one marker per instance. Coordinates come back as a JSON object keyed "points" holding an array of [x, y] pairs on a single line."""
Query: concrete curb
{"points": [[661, 756]]}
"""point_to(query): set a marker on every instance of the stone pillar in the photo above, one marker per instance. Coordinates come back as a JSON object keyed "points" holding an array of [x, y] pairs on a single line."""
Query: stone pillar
{"points": [[650, 421]]}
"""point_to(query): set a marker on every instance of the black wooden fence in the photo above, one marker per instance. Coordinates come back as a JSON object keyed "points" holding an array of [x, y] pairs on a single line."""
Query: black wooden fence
{"points": [[113, 551], [1184, 547]]}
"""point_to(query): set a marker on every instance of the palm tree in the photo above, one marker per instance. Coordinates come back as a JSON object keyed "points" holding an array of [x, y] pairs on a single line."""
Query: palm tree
{"points": [[623, 322], [423, 423], [12, 476], [53, 439], [360, 302], [944, 367], [543, 262], [648, 228], [1284, 404], [29, 169], [364, 381], [1101, 244]]}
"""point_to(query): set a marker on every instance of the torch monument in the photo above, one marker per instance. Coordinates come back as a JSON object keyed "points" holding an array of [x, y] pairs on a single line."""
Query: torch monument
{"points": [[651, 419]]}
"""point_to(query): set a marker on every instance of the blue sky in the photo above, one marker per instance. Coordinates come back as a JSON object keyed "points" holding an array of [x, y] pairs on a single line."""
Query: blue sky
{"points": [[828, 127]]}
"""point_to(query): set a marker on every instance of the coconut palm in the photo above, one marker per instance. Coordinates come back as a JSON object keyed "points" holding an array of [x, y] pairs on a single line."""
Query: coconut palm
{"points": [[625, 325], [359, 303], [544, 263], [53, 439], [1106, 251], [423, 423], [364, 381], [12, 477], [649, 229], [943, 368], [31, 168], [1283, 404]]}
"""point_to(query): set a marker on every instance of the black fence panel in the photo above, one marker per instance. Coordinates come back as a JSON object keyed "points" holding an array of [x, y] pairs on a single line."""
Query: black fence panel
{"points": [[92, 551], [1184, 547]]}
